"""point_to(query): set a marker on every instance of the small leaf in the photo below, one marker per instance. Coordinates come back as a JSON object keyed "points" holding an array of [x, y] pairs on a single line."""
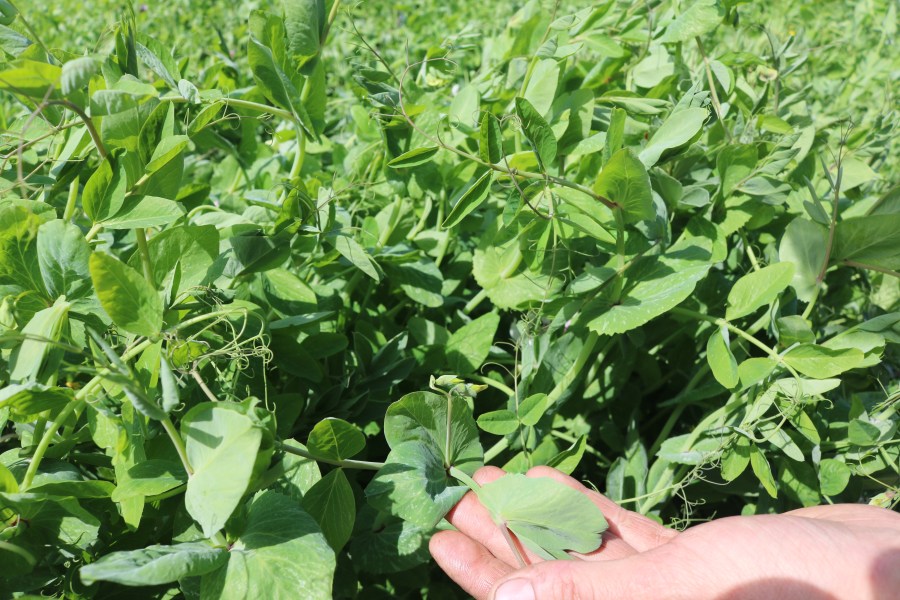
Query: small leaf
{"points": [[833, 476], [155, 565], [532, 408], [762, 470], [330, 502], [64, 255], [721, 360], [471, 199], [127, 298], [758, 288], [414, 157], [490, 141], [169, 385], [149, 211], [676, 131], [698, 19], [498, 422], [335, 439], [350, 249], [735, 459], [567, 460], [537, 131], [821, 362], [625, 181], [104, 192], [470, 345]]}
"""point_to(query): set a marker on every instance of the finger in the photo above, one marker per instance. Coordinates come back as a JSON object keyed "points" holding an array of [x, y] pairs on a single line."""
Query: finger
{"points": [[637, 531], [858, 514], [635, 578], [473, 520], [467, 562]]}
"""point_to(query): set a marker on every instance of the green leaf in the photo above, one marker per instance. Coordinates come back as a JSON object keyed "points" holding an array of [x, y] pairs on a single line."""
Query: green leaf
{"points": [[413, 158], [155, 565], [422, 281], [735, 164], [275, 84], [821, 362], [870, 240], [304, 23], [625, 181], [63, 255], [471, 199], [676, 131], [181, 256], [470, 345], [490, 141], [700, 18], [735, 459], [221, 443], [498, 422], [758, 288], [834, 476], [548, 517], [537, 132], [31, 78], [762, 470], [350, 249], [803, 244], [532, 408], [281, 553], [27, 360], [330, 502], [104, 192], [383, 543], [127, 298], [721, 360], [335, 439], [541, 89], [149, 211], [567, 460], [148, 478]]}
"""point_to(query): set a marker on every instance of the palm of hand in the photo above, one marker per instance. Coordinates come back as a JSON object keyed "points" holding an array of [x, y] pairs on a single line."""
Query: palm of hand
{"points": [[817, 553]]}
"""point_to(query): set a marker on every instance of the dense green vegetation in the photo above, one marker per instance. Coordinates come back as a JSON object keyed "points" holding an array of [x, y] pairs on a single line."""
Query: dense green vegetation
{"points": [[277, 277]]}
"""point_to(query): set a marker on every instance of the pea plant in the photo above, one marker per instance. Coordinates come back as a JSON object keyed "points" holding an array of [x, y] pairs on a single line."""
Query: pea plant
{"points": [[270, 297]]}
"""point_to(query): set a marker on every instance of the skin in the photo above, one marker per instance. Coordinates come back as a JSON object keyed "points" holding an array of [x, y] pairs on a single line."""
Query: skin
{"points": [[836, 552]]}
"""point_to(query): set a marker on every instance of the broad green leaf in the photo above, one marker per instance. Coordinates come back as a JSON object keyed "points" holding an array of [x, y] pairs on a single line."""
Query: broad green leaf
{"points": [[803, 244], [28, 359], [181, 256], [498, 422], [794, 329], [148, 211], [567, 460], [537, 132], [820, 362], [28, 400], [615, 135], [471, 199], [275, 84], [871, 240], [470, 345], [490, 141], [125, 295], [532, 408], [155, 565], [168, 386], [799, 482], [548, 517], [126, 95], [221, 443], [330, 502], [758, 288], [735, 459], [104, 192], [63, 255], [422, 416], [721, 360], [281, 553], [8, 483], [541, 89], [676, 131], [834, 476], [862, 433], [422, 281], [350, 249], [414, 157], [762, 470], [698, 19], [304, 23], [383, 543], [31, 78], [735, 164], [414, 484], [76, 73], [148, 478], [625, 181], [855, 172], [335, 439]]}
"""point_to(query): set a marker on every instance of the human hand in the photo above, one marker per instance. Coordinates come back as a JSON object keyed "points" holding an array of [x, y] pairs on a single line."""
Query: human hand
{"points": [[818, 553]]}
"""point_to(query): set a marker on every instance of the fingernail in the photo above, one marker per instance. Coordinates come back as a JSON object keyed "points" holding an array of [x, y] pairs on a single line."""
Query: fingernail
{"points": [[515, 589]]}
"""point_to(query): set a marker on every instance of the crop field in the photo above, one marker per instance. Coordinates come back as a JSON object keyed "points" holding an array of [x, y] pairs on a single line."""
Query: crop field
{"points": [[278, 276]]}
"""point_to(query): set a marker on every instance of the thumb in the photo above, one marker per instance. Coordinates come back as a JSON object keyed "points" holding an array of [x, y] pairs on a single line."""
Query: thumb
{"points": [[632, 578]]}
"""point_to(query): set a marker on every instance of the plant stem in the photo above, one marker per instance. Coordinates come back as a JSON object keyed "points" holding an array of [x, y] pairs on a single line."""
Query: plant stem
{"points": [[72, 198], [348, 464], [141, 235], [88, 123], [464, 477], [859, 265], [475, 301], [179, 445], [95, 229], [717, 106], [502, 387]]}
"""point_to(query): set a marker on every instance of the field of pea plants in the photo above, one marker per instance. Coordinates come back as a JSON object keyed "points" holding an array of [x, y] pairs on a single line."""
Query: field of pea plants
{"points": [[278, 276]]}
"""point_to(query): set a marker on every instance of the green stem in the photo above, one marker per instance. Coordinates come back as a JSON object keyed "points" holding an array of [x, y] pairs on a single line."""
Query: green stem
{"points": [[348, 464], [495, 450], [141, 235], [859, 265], [620, 254], [179, 445], [575, 370], [95, 229], [493, 383], [71, 200], [475, 301], [462, 476]]}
